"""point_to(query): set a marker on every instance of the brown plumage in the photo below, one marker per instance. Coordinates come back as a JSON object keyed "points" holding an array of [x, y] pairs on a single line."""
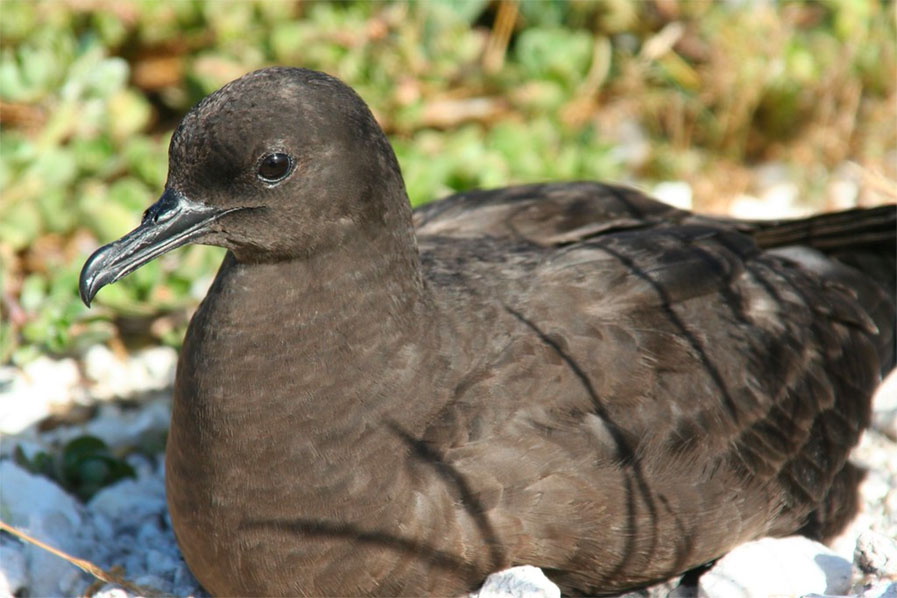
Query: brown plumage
{"points": [[570, 375]]}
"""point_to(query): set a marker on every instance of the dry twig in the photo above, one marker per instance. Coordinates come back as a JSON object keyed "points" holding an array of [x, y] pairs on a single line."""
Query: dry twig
{"points": [[86, 566]]}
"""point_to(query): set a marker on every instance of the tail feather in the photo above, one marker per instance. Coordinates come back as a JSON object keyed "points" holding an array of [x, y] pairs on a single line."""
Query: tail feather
{"points": [[856, 249], [864, 239], [857, 229]]}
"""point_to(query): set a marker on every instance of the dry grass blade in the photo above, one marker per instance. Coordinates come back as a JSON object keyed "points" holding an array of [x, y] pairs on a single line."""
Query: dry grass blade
{"points": [[875, 181], [86, 566], [494, 57]]}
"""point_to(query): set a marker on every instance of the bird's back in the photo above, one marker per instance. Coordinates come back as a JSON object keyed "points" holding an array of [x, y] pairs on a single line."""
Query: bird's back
{"points": [[653, 387]]}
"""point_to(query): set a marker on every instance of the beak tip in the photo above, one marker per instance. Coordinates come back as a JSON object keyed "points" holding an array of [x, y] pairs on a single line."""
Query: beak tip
{"points": [[86, 298], [91, 280], [84, 289]]}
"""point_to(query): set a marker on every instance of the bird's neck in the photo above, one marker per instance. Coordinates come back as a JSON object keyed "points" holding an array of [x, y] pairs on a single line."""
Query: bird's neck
{"points": [[295, 367], [324, 315], [323, 342]]}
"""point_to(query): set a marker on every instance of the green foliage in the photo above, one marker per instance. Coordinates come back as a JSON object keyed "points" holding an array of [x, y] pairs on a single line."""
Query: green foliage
{"points": [[91, 91], [555, 54], [85, 466]]}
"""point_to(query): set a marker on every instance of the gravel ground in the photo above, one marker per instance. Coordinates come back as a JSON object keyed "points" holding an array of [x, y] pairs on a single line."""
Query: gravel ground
{"points": [[125, 527]]}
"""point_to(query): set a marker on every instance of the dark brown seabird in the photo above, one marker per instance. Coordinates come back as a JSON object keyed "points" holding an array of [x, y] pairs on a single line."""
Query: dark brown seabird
{"points": [[372, 401]]}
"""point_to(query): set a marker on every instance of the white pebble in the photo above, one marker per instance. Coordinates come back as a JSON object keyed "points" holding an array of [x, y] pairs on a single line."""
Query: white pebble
{"points": [[518, 582], [845, 543], [891, 504], [876, 487], [40, 508], [111, 591], [98, 361], [160, 364], [24, 496], [885, 422], [770, 174], [147, 370], [885, 398], [784, 199], [13, 577], [792, 566], [632, 148], [150, 582], [675, 193], [129, 500], [881, 589], [30, 394], [884, 416], [876, 553], [842, 194], [159, 561], [119, 427], [750, 208]]}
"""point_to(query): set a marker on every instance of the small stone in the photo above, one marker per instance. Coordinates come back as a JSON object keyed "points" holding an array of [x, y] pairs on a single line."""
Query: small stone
{"points": [[885, 398], [43, 510], [159, 562], [770, 174], [518, 582], [885, 422], [891, 504], [103, 528], [884, 403], [30, 394], [147, 370], [845, 543], [112, 591], [876, 554], [25, 496], [749, 208], [13, 577], [783, 197], [184, 582], [99, 363], [792, 566], [150, 534], [150, 582], [668, 589], [121, 428], [682, 591], [876, 487], [71, 582], [633, 146], [128, 500], [675, 193], [842, 194], [160, 364], [881, 589]]}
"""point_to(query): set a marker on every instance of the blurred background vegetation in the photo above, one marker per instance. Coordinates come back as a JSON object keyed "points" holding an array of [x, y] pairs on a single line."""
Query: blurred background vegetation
{"points": [[472, 93]]}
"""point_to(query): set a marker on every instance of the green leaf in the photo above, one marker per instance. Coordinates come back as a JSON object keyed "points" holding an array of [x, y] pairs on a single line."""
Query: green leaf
{"points": [[20, 224], [557, 54], [127, 113], [88, 465]]}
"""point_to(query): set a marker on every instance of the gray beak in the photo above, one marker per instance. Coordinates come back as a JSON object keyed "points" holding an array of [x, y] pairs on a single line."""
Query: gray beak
{"points": [[169, 223]]}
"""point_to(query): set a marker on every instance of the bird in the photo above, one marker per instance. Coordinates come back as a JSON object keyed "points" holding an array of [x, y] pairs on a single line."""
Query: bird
{"points": [[375, 400]]}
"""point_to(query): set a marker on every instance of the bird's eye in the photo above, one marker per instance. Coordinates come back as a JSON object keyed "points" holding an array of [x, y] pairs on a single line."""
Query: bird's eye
{"points": [[275, 167]]}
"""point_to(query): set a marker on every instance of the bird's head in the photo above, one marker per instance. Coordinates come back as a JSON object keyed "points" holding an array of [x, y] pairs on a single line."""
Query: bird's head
{"points": [[280, 164]]}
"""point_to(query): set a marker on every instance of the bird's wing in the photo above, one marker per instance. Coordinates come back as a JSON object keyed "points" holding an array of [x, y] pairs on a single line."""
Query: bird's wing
{"points": [[544, 214], [674, 382]]}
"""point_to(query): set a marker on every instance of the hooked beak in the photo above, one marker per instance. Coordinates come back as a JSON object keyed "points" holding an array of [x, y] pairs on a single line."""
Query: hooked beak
{"points": [[169, 223]]}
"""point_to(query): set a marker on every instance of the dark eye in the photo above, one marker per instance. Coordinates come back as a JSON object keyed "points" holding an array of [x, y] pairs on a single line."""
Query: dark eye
{"points": [[274, 167]]}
